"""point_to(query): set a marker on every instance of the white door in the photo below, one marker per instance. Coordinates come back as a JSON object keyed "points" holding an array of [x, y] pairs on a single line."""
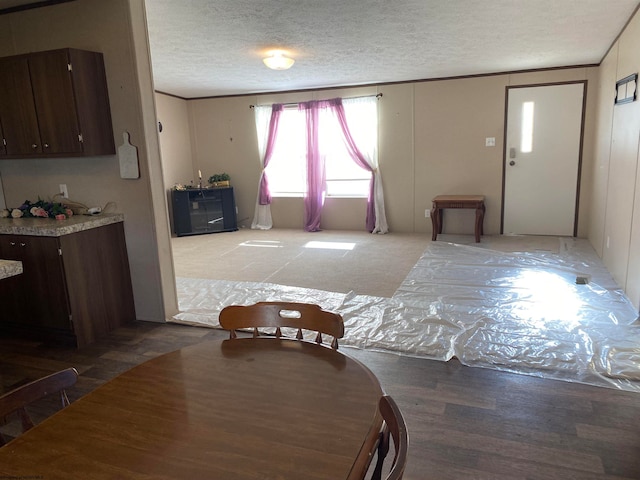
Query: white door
{"points": [[542, 159]]}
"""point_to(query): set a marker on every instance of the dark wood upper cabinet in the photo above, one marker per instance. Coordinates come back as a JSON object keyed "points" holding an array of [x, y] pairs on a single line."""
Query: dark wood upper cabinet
{"points": [[52, 84], [55, 103], [17, 108]]}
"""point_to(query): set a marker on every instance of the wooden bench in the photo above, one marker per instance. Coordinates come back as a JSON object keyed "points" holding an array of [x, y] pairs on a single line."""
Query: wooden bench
{"points": [[457, 201]]}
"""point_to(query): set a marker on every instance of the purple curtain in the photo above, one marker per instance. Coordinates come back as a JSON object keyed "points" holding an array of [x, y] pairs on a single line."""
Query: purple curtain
{"points": [[356, 155], [314, 196], [265, 194]]}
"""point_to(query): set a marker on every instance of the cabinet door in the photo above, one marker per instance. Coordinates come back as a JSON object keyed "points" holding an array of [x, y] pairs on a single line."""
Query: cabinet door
{"points": [[17, 108], [181, 217], [206, 211], [92, 102], [229, 209], [40, 291], [98, 280], [55, 102]]}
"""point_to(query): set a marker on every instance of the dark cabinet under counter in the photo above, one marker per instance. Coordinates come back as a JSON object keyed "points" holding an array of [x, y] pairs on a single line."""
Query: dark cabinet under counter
{"points": [[203, 210], [74, 288]]}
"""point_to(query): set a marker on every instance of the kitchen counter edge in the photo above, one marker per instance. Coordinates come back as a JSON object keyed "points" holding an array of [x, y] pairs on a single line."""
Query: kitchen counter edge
{"points": [[48, 227], [9, 268]]}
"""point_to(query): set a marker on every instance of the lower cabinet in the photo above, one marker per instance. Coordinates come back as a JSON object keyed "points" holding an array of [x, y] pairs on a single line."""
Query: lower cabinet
{"points": [[206, 210], [73, 289]]}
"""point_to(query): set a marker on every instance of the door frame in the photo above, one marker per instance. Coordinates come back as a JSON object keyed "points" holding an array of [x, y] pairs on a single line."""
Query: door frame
{"points": [[580, 147]]}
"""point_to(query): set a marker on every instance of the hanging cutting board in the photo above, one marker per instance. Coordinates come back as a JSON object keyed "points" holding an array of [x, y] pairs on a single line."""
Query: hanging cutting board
{"points": [[128, 155]]}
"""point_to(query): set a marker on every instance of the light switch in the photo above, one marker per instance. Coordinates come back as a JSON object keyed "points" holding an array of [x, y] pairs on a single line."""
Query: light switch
{"points": [[490, 142]]}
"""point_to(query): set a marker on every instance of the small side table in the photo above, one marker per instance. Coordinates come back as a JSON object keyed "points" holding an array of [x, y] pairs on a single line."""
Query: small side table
{"points": [[457, 201]]}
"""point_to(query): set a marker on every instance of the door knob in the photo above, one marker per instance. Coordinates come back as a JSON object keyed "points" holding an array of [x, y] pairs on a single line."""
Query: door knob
{"points": [[512, 163]]}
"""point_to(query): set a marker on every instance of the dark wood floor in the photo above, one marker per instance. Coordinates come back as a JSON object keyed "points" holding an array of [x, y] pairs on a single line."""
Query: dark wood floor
{"points": [[464, 423]]}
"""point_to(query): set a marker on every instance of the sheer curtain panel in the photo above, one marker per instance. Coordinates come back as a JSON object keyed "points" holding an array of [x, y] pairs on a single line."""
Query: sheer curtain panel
{"points": [[361, 139], [315, 193], [267, 119]]}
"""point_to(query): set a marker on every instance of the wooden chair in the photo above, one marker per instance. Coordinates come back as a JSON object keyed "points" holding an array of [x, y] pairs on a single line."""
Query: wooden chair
{"points": [[302, 316], [16, 400], [395, 427]]}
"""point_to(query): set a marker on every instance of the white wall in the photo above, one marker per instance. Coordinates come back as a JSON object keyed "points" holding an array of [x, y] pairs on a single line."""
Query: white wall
{"points": [[175, 143], [614, 227]]}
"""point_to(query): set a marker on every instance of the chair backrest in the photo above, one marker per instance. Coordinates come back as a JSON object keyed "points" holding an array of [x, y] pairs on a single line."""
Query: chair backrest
{"points": [[16, 400], [396, 428], [302, 316]]}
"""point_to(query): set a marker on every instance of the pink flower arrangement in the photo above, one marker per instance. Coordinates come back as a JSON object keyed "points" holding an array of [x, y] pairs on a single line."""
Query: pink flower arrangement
{"points": [[38, 212], [39, 209]]}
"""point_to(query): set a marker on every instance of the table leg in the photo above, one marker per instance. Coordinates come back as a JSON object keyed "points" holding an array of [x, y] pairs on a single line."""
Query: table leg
{"points": [[479, 222], [434, 223]]}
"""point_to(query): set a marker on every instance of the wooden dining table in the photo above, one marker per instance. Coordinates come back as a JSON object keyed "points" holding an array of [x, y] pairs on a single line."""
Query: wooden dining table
{"points": [[247, 408]]}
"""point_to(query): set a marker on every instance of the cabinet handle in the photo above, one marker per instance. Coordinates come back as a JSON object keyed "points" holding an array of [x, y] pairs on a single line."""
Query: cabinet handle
{"points": [[46, 145], [13, 244], [23, 244], [34, 146]]}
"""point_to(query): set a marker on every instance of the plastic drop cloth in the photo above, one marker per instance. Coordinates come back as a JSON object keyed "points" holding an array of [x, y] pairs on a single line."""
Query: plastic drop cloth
{"points": [[515, 312]]}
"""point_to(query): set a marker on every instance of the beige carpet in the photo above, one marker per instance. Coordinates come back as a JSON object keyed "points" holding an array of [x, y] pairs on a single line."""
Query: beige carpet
{"points": [[335, 261]]}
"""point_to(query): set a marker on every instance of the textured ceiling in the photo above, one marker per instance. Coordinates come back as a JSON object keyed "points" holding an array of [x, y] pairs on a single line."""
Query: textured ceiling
{"points": [[213, 48]]}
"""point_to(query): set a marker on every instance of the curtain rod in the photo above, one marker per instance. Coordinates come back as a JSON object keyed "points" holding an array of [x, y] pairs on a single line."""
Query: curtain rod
{"points": [[296, 103]]}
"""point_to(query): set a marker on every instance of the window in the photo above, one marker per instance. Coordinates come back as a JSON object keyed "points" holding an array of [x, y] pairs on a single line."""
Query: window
{"points": [[287, 169], [526, 143], [344, 178]]}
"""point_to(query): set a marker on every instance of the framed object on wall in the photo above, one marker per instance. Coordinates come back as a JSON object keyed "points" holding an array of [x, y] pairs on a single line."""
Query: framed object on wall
{"points": [[626, 89]]}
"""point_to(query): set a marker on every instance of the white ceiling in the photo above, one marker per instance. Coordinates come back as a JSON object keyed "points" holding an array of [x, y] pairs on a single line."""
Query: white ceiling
{"points": [[215, 47]]}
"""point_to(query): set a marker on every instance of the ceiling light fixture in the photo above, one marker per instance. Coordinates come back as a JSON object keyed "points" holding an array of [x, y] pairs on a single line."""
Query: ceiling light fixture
{"points": [[278, 61]]}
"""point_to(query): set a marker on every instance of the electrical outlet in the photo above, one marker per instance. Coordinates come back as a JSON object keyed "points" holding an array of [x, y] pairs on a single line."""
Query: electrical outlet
{"points": [[63, 190], [490, 141], [427, 213]]}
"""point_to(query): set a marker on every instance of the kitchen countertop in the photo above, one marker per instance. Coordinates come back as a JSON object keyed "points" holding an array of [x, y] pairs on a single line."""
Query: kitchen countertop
{"points": [[9, 268], [49, 227]]}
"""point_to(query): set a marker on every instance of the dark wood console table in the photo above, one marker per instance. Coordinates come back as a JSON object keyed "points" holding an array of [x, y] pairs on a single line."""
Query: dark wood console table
{"points": [[457, 201], [204, 210]]}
